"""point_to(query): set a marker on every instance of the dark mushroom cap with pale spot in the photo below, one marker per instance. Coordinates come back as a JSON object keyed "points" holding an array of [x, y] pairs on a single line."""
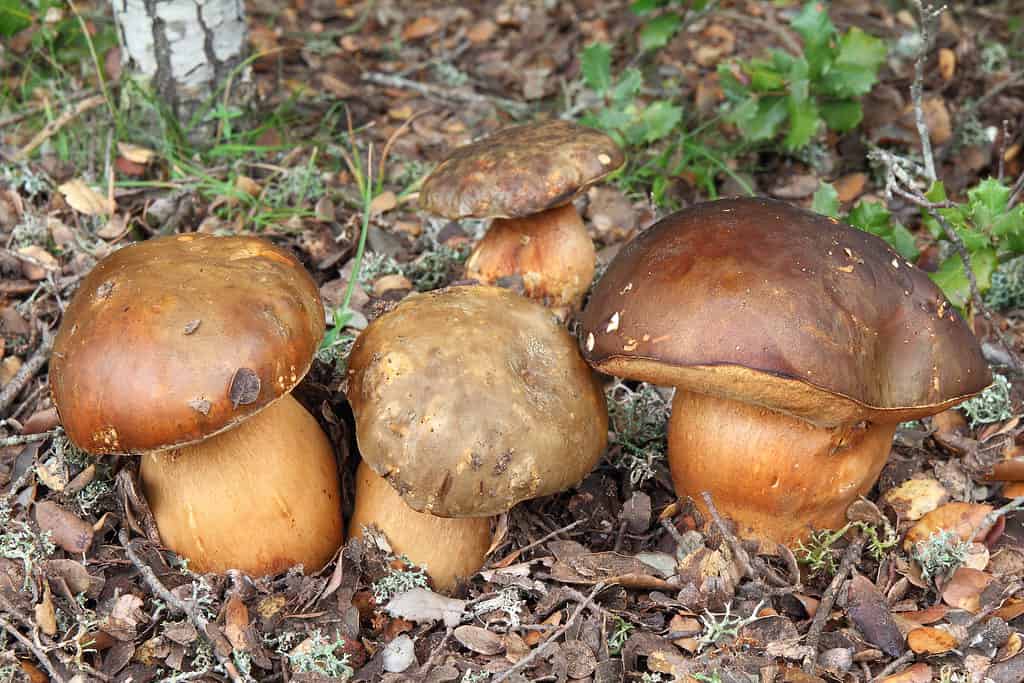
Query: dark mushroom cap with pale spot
{"points": [[171, 340], [759, 301], [470, 399], [520, 171]]}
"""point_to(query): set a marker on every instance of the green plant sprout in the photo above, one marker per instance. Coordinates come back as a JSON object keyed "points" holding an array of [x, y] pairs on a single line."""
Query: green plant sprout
{"points": [[940, 555], [820, 556], [620, 631], [1007, 290], [798, 92], [991, 405]]}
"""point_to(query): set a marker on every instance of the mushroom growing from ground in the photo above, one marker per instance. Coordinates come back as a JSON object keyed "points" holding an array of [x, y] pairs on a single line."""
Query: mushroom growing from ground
{"points": [[526, 178], [467, 400], [185, 349], [796, 345]]}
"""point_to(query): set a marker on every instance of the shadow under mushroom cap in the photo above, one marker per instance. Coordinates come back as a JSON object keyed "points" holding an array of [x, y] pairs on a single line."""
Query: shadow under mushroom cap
{"points": [[760, 301]]}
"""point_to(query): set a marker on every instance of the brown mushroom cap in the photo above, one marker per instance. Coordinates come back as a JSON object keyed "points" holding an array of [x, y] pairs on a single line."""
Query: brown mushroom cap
{"points": [[520, 171], [174, 339], [471, 399], [759, 301]]}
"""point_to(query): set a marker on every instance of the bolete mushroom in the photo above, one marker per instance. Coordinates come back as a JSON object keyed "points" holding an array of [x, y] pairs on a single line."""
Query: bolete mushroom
{"points": [[525, 179], [796, 345], [184, 349], [467, 400]]}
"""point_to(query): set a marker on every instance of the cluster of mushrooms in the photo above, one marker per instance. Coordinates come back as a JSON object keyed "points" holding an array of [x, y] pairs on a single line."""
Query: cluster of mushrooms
{"points": [[795, 344]]}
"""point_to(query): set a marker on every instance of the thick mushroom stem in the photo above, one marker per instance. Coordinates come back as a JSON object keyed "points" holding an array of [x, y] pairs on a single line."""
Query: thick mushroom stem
{"points": [[260, 497], [551, 251], [776, 476], [450, 548]]}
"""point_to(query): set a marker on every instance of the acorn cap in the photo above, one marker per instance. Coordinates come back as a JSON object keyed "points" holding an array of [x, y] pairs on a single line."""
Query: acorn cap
{"points": [[520, 171], [471, 399], [758, 301], [174, 339]]}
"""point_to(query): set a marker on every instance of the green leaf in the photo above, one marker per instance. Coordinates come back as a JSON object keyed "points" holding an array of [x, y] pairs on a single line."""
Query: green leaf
{"points": [[764, 77], [986, 202], [14, 16], [1009, 230], [759, 118], [803, 122], [659, 119], [856, 66], [642, 7], [826, 201], [817, 30], [952, 278], [842, 115], [627, 87], [596, 64], [874, 218], [658, 31]]}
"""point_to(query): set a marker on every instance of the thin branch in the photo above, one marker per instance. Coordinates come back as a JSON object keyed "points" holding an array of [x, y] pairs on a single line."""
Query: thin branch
{"points": [[828, 599], [11, 390], [537, 651], [446, 94], [188, 609], [928, 17], [53, 127], [33, 648], [904, 658], [21, 439]]}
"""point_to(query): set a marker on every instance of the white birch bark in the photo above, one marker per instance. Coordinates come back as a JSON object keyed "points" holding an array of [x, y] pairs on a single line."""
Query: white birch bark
{"points": [[184, 48]]}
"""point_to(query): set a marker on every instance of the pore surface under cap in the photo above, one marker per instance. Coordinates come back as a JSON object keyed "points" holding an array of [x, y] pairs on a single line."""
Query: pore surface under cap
{"points": [[173, 339], [760, 301]]}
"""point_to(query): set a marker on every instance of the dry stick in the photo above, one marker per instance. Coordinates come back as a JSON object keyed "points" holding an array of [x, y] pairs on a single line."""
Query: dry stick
{"points": [[1008, 592], [51, 129], [917, 89], [904, 658], [197, 619], [11, 390], [33, 648], [754, 567], [535, 654], [515, 554], [850, 557], [26, 438], [445, 94]]}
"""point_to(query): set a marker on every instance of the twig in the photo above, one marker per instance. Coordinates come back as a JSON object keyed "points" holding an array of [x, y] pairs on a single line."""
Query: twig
{"points": [[1008, 592], [904, 658], [31, 109], [26, 438], [515, 554], [11, 390], [828, 599], [1017, 192], [33, 648], [753, 567], [928, 16], [445, 94], [536, 653], [189, 610], [51, 128]]}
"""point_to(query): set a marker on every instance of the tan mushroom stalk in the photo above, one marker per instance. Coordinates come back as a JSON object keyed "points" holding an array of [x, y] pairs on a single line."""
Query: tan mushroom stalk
{"points": [[467, 400], [525, 178], [184, 349], [796, 344]]}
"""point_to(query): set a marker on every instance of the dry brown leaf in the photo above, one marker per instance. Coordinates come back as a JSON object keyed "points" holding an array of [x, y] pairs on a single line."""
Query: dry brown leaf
{"points": [[850, 186], [964, 588], [37, 263], [115, 228], [135, 153], [387, 283], [236, 621], [947, 63], [918, 673], [481, 32], [930, 641], [421, 27], [244, 183], [479, 640], [915, 498], [84, 199], [929, 615], [46, 615], [963, 519], [67, 530], [383, 202]]}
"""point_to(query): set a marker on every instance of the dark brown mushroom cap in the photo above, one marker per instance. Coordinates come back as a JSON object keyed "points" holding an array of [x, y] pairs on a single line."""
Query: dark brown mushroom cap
{"points": [[520, 171], [173, 339], [760, 301], [471, 399]]}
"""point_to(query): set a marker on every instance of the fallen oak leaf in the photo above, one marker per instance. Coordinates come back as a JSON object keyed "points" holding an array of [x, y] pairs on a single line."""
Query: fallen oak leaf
{"points": [[84, 199]]}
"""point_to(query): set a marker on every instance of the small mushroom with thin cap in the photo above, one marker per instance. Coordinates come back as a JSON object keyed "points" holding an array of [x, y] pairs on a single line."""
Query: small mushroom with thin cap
{"points": [[467, 400], [525, 178], [184, 349], [796, 345]]}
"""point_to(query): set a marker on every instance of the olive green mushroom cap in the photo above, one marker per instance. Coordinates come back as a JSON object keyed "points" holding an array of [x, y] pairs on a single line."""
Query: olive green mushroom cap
{"points": [[471, 399], [520, 171], [759, 301], [174, 339]]}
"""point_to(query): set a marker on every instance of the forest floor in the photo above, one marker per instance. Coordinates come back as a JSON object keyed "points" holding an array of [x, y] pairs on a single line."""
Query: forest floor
{"points": [[616, 579]]}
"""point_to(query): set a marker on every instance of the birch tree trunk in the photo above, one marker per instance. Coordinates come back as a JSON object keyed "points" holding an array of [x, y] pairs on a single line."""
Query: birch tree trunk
{"points": [[184, 49]]}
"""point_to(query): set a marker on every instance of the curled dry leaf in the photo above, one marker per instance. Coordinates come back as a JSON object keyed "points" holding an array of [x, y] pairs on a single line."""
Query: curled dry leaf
{"points": [[135, 153], [918, 673], [84, 199], [930, 641], [479, 640], [964, 519], [964, 588], [915, 498], [929, 615], [46, 615]]}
